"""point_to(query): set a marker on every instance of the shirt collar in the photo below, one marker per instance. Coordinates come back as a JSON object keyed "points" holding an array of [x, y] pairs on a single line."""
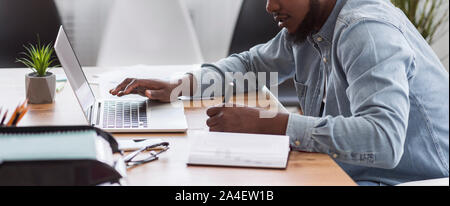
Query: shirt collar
{"points": [[327, 30]]}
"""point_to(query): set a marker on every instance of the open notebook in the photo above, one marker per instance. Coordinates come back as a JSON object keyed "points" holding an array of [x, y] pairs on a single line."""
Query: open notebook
{"points": [[240, 150]]}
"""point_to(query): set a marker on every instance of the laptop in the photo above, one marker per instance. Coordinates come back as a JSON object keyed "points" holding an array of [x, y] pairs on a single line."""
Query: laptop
{"points": [[117, 115]]}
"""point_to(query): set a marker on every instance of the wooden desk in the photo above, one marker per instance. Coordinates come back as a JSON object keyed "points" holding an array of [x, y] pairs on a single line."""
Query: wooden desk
{"points": [[171, 168]]}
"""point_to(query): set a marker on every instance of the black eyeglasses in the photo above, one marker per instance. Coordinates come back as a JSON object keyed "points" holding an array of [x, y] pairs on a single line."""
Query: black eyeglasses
{"points": [[153, 155]]}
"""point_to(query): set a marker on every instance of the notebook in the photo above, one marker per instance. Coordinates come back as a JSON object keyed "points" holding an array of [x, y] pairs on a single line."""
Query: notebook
{"points": [[63, 145], [240, 150], [58, 155]]}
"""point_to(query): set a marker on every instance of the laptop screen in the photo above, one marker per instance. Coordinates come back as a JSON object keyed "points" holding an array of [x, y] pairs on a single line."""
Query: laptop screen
{"points": [[74, 73]]}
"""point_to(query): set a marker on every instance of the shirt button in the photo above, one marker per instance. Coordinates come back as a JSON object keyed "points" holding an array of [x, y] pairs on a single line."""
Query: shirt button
{"points": [[325, 60], [297, 143], [335, 156], [319, 39]]}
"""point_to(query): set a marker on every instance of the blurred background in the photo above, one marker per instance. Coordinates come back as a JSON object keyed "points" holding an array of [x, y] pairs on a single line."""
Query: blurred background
{"points": [[207, 25], [153, 32]]}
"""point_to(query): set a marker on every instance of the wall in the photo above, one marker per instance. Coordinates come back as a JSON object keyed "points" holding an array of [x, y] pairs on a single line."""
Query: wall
{"points": [[84, 22], [214, 22], [442, 49]]}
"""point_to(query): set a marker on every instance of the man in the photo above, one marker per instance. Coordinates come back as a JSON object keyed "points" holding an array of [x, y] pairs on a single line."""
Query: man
{"points": [[374, 95]]}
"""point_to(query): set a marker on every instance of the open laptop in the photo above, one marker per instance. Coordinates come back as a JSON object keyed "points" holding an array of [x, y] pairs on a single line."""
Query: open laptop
{"points": [[117, 115]]}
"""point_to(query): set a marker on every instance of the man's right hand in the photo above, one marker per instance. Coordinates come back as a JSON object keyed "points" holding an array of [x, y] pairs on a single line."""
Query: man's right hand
{"points": [[153, 89]]}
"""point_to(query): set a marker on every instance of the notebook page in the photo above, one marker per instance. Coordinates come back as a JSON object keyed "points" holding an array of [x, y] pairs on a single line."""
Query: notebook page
{"points": [[243, 150]]}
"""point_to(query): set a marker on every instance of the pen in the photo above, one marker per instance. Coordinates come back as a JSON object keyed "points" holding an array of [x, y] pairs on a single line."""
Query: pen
{"points": [[195, 98], [228, 92], [60, 86]]}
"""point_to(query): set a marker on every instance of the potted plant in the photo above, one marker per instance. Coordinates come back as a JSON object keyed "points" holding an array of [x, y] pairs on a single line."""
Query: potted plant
{"points": [[40, 85], [427, 15]]}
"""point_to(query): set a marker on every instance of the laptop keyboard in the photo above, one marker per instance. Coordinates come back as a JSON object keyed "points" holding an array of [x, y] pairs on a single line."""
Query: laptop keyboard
{"points": [[125, 114]]}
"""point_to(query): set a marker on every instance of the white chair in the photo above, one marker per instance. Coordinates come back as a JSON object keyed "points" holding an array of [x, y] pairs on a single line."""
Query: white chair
{"points": [[151, 32], [434, 182]]}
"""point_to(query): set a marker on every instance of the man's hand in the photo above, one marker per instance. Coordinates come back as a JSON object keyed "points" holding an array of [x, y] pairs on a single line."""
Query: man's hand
{"points": [[231, 118], [153, 89]]}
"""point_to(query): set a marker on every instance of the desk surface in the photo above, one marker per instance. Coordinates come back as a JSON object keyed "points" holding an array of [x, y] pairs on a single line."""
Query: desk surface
{"points": [[171, 168]]}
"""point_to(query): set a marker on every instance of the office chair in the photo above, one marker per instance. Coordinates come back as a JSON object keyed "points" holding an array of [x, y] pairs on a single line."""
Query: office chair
{"points": [[255, 26], [20, 23], [151, 32]]}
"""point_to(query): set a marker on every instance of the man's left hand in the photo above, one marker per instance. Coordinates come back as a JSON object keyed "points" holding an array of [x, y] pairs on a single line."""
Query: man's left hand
{"points": [[238, 119]]}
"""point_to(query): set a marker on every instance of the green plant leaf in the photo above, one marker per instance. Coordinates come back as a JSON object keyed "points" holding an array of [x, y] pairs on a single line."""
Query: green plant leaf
{"points": [[425, 15], [38, 58]]}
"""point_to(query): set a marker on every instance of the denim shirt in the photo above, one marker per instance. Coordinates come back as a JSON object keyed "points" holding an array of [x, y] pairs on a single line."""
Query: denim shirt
{"points": [[386, 115]]}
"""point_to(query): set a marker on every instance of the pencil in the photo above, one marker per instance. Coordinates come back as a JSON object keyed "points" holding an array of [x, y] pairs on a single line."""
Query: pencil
{"points": [[14, 122], [4, 117], [1, 122], [25, 110], [13, 116], [24, 104], [16, 113]]}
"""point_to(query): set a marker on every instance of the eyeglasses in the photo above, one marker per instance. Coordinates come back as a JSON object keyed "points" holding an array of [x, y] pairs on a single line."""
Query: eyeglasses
{"points": [[152, 154]]}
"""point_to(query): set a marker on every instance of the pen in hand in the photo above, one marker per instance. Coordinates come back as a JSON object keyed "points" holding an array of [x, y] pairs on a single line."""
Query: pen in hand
{"points": [[228, 92]]}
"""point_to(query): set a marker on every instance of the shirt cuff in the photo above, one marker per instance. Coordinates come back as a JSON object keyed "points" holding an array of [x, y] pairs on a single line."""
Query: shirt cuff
{"points": [[299, 130]]}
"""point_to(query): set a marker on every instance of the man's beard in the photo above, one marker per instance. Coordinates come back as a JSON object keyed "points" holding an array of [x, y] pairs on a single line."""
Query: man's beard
{"points": [[308, 26]]}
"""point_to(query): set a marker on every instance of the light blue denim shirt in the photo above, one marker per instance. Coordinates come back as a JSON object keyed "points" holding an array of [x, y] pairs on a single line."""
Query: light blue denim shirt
{"points": [[386, 116]]}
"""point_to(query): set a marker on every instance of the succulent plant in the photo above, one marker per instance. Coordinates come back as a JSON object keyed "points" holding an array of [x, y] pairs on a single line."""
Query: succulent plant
{"points": [[38, 58]]}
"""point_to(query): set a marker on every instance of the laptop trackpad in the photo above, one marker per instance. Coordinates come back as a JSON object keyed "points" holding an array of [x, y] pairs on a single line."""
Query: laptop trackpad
{"points": [[166, 115]]}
